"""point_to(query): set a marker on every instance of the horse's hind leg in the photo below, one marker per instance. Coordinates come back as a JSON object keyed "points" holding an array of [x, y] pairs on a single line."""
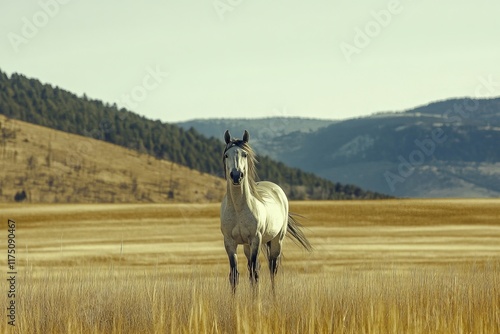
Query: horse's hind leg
{"points": [[273, 255]]}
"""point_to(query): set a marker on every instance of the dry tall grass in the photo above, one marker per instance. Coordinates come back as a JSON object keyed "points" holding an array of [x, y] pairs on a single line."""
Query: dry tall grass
{"points": [[106, 300], [379, 267]]}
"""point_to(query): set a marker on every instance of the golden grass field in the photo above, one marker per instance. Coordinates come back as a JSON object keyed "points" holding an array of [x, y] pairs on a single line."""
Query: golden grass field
{"points": [[395, 266]]}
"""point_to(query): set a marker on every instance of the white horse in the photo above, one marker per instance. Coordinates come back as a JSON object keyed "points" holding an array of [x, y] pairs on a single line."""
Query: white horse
{"points": [[253, 213]]}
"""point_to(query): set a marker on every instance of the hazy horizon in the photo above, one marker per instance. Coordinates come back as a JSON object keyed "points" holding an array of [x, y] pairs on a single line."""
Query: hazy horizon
{"points": [[237, 59]]}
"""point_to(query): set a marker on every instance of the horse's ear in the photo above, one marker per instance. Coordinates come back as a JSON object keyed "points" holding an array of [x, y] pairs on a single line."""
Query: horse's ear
{"points": [[246, 137], [227, 136]]}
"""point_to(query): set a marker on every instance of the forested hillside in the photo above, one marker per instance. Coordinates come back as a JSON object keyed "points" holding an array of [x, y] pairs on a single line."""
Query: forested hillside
{"points": [[444, 149], [30, 100]]}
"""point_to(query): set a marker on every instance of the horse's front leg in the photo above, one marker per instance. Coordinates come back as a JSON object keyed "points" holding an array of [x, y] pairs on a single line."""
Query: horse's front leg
{"points": [[231, 248], [252, 254]]}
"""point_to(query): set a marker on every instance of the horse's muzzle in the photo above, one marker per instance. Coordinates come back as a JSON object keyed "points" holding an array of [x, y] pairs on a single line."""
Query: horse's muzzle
{"points": [[236, 176]]}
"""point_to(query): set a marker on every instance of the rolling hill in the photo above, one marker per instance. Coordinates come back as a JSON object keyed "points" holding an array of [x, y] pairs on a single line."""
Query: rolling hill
{"points": [[52, 166]]}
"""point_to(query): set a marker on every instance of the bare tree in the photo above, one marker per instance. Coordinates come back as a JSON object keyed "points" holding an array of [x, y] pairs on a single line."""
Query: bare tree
{"points": [[32, 163]]}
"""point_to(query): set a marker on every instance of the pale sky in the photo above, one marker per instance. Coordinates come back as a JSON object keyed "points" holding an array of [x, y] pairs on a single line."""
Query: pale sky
{"points": [[179, 60]]}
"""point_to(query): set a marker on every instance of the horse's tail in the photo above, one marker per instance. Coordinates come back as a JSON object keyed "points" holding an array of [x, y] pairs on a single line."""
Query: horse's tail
{"points": [[295, 231]]}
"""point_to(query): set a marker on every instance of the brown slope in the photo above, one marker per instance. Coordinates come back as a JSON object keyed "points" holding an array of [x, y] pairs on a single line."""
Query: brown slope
{"points": [[56, 167]]}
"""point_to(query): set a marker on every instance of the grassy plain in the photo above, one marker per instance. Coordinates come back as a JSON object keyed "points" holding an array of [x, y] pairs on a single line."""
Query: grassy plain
{"points": [[397, 266]]}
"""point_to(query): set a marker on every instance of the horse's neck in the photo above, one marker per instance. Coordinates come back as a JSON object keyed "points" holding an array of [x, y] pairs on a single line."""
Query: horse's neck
{"points": [[240, 197]]}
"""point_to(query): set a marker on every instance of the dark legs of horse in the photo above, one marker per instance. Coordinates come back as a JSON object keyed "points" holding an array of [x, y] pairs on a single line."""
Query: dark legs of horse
{"points": [[252, 255], [233, 264], [273, 269], [273, 255], [233, 273], [253, 264]]}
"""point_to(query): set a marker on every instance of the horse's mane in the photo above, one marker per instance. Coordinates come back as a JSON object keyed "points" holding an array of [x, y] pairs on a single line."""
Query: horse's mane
{"points": [[251, 162]]}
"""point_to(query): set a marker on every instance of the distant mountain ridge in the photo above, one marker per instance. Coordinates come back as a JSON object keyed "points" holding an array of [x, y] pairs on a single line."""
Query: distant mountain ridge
{"points": [[448, 148], [31, 101], [262, 130]]}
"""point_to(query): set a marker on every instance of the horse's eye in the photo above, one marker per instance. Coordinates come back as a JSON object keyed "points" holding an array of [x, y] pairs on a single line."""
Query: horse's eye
{"points": [[226, 156], [244, 154]]}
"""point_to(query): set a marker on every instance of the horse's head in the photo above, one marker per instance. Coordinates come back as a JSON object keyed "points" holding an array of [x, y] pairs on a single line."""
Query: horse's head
{"points": [[236, 155]]}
